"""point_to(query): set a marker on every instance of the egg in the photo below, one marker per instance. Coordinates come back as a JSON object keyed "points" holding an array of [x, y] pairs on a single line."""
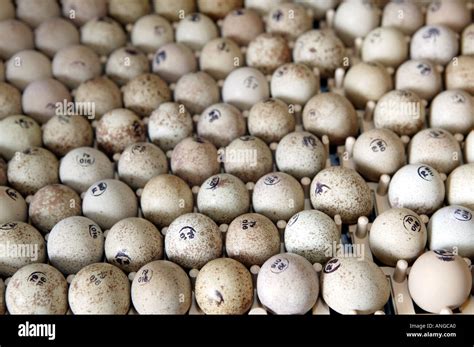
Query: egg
{"points": [[352, 284], [311, 234], [223, 197], [195, 30], [10, 99], [411, 19], [242, 26], [469, 147], [438, 280], [451, 228], [294, 83], [172, 10], [169, 124], [460, 186], [262, 6], [80, 11], [161, 287], [127, 12], [251, 239], [102, 92], [103, 35], [165, 198], [17, 134], [82, 167], [126, 63], [366, 82], [320, 49], [453, 14], [436, 43], [219, 57], [54, 34], [100, 289], [245, 87], [16, 36], [51, 204], [34, 14], [109, 201], [300, 154], [452, 110], [218, 8], [290, 20], [192, 240], [270, 120], [460, 74], [319, 8], [287, 284], [277, 196], [197, 91], [32, 169], [174, 60], [150, 32], [133, 243], [339, 190], [7, 10], [21, 244], [119, 128], [385, 45], [417, 187], [12, 206], [467, 40], [74, 243], [420, 77], [267, 52], [248, 158], [27, 66], [37, 289]]}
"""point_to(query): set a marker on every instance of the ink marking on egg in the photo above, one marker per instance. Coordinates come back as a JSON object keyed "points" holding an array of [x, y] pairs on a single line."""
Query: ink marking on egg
{"points": [[332, 266], [279, 265], [99, 189], [11, 193], [248, 224], [123, 258], [187, 233], [271, 180], [8, 226], [444, 255], [37, 277], [425, 173], [85, 160], [378, 145], [462, 215], [321, 188], [213, 183], [145, 276], [411, 223], [293, 219]]}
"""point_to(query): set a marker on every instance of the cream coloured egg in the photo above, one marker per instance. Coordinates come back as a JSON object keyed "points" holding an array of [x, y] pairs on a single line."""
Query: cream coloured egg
{"points": [[27, 66], [103, 35], [385, 45], [150, 32], [17, 134], [267, 52], [452, 110], [460, 74], [12, 206], [294, 83], [220, 57], [245, 87], [460, 186], [54, 34], [173, 10], [469, 148], [127, 12], [319, 8], [196, 91], [419, 76], [218, 8], [262, 6], [242, 26], [10, 99], [174, 60], [436, 43], [80, 11], [454, 14], [195, 30], [290, 20], [35, 13], [467, 40], [405, 16], [16, 36], [126, 63]]}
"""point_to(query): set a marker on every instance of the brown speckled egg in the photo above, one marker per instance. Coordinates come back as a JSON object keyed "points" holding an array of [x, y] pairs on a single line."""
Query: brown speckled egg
{"points": [[290, 20], [194, 160], [278, 196], [102, 93], [51, 204], [15, 36], [161, 287], [397, 233], [242, 26], [223, 197], [224, 286], [174, 60], [248, 158], [251, 239], [127, 12], [439, 279], [452, 110], [300, 154], [411, 20], [377, 152], [420, 77], [192, 240], [100, 289], [37, 289], [294, 83], [169, 124], [18, 234], [288, 284], [103, 35], [196, 91], [270, 120], [385, 45], [311, 234], [417, 187], [80, 11], [32, 169], [436, 43], [330, 114], [460, 186], [132, 243], [221, 123], [74, 243], [126, 63], [10, 100], [342, 191], [267, 52], [455, 14], [245, 87], [109, 201], [150, 32], [55, 34], [165, 198], [218, 8], [195, 30], [351, 283], [400, 111], [219, 57], [173, 9], [12, 206], [460, 74], [119, 128], [27, 66], [18, 133]]}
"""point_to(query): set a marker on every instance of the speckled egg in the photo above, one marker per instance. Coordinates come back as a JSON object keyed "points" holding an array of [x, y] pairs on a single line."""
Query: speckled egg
{"points": [[455, 14], [460, 74], [245, 87], [349, 284], [290, 20], [16, 36], [195, 30], [54, 34], [420, 77], [436, 43], [17, 134], [288, 284], [342, 191], [103, 35], [127, 12], [196, 91], [218, 8], [385, 45], [10, 99], [150, 32], [126, 63], [452, 110], [132, 243], [37, 289], [100, 289], [460, 186], [242, 26], [224, 286], [174, 60], [80, 11], [27, 66], [411, 20], [267, 52], [12, 206], [417, 187], [294, 83], [174, 10], [161, 287], [192, 240], [74, 243], [219, 57]]}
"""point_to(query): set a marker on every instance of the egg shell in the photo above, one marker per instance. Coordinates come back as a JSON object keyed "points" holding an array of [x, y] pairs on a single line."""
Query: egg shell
{"points": [[195, 30], [192, 240], [455, 14], [251, 239], [262, 6], [438, 280], [22, 245], [172, 9], [224, 286], [467, 40], [469, 147], [387, 46], [161, 287], [460, 74], [12, 206], [150, 32], [7, 11], [411, 20], [460, 186], [218, 8], [342, 191], [15, 36], [245, 87], [103, 35], [452, 110], [197, 91], [27, 66], [10, 100], [74, 243], [34, 14], [420, 77], [288, 284], [311, 234], [174, 60], [267, 52], [37, 289], [290, 20], [219, 57], [83, 10], [417, 187], [54, 34], [17, 134], [294, 83], [132, 243], [127, 12], [349, 284], [126, 63], [436, 43], [165, 198], [100, 289], [242, 26], [3, 172]]}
